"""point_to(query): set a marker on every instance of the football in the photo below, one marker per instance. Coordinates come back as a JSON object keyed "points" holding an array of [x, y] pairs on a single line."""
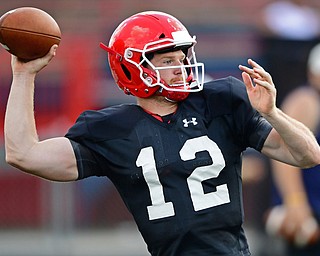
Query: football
{"points": [[28, 32]]}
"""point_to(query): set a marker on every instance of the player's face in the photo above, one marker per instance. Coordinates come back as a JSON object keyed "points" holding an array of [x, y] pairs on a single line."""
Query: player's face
{"points": [[171, 75]]}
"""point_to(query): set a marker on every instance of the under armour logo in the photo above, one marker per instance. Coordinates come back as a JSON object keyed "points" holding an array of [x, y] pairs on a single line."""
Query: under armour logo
{"points": [[192, 121]]}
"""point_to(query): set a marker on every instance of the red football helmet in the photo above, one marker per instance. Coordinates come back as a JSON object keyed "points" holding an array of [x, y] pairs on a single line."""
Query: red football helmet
{"points": [[148, 32]]}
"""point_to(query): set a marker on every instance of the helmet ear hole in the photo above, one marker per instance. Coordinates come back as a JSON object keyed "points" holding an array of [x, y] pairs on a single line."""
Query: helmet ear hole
{"points": [[126, 71]]}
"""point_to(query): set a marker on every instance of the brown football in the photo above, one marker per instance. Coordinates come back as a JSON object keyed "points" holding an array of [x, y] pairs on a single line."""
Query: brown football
{"points": [[28, 32]]}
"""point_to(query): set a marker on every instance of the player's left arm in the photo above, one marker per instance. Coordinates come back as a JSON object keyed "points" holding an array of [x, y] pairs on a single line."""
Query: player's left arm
{"points": [[290, 141]]}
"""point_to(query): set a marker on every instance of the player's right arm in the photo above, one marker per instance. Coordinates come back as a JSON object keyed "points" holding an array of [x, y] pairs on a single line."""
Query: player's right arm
{"points": [[51, 159]]}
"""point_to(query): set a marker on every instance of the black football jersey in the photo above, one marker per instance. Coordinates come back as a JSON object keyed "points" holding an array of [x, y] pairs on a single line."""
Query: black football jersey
{"points": [[181, 180]]}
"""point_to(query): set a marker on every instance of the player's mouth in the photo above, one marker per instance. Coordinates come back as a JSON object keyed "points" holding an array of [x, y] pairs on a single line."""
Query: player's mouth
{"points": [[177, 83]]}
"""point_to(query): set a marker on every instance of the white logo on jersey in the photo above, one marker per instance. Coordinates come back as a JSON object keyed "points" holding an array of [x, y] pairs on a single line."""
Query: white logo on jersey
{"points": [[192, 121]]}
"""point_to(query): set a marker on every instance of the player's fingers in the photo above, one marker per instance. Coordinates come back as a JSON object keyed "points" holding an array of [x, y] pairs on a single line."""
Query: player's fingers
{"points": [[261, 82], [259, 70], [46, 59], [263, 74], [247, 80], [52, 52], [13, 59], [254, 64], [249, 71], [53, 49]]}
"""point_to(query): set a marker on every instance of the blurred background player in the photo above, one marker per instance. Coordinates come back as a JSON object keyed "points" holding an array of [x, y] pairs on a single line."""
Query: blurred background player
{"points": [[299, 189]]}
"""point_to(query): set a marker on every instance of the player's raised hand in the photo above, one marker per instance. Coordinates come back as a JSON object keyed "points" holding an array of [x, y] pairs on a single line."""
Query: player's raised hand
{"points": [[260, 87], [34, 66]]}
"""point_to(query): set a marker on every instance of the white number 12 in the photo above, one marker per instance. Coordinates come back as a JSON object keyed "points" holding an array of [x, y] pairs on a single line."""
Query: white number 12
{"points": [[160, 208]]}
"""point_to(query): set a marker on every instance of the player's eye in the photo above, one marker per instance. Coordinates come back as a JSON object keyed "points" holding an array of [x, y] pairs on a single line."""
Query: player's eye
{"points": [[167, 62]]}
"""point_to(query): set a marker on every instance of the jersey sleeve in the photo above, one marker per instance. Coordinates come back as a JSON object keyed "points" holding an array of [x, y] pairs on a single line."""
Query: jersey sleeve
{"points": [[98, 139], [229, 98], [86, 161], [252, 128], [83, 147]]}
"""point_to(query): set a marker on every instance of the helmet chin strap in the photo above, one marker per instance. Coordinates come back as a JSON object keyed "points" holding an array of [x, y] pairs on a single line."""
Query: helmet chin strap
{"points": [[173, 96], [167, 99]]}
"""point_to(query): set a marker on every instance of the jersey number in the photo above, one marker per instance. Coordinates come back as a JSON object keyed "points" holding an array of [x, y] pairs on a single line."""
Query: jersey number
{"points": [[159, 207]]}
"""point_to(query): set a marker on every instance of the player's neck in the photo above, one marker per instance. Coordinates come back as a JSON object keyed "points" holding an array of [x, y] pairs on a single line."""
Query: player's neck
{"points": [[158, 105]]}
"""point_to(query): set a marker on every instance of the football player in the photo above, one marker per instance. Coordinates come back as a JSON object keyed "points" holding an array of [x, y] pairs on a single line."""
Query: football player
{"points": [[175, 156]]}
